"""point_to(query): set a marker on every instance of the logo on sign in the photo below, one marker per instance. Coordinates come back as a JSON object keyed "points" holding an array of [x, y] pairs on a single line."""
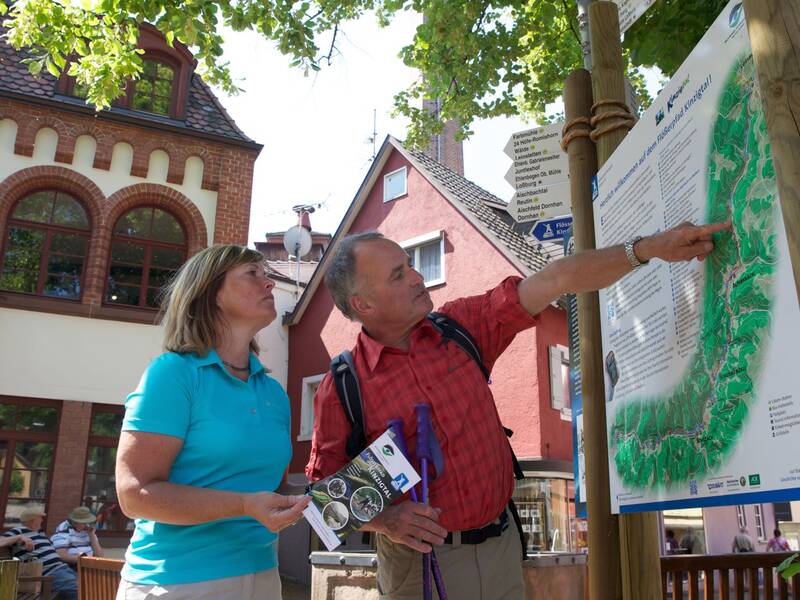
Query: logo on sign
{"points": [[755, 479], [736, 15], [399, 482]]}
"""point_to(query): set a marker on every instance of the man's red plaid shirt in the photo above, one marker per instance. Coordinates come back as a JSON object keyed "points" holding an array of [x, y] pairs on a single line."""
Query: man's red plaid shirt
{"points": [[478, 477]]}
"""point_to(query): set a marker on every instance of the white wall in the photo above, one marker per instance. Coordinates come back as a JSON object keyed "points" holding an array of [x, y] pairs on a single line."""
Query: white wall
{"points": [[117, 177], [63, 357], [72, 358], [274, 340]]}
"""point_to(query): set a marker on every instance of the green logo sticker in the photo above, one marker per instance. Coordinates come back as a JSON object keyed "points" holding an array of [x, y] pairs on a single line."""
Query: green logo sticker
{"points": [[755, 479]]}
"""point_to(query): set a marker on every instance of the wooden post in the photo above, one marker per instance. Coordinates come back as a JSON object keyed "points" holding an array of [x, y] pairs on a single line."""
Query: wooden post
{"points": [[774, 28], [604, 569], [639, 542]]}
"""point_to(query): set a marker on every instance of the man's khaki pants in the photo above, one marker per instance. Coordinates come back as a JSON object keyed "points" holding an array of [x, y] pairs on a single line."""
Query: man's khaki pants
{"points": [[488, 571]]}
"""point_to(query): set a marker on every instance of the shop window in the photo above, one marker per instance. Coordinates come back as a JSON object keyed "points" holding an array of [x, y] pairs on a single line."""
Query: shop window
{"points": [[152, 92], [147, 247], [427, 256], [547, 514], [99, 492], [45, 246], [28, 433]]}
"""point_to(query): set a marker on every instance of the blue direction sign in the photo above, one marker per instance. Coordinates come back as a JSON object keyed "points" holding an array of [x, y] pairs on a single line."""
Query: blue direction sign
{"points": [[552, 229]]}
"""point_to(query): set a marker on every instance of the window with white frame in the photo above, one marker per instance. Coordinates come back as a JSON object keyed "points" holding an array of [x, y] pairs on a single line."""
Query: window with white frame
{"points": [[310, 385], [559, 380], [427, 256], [741, 517], [395, 184], [760, 531]]}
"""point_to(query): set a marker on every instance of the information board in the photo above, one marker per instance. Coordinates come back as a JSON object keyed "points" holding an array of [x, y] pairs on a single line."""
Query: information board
{"points": [[703, 389]]}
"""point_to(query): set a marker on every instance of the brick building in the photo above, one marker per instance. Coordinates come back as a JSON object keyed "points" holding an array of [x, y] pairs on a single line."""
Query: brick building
{"points": [[97, 210]]}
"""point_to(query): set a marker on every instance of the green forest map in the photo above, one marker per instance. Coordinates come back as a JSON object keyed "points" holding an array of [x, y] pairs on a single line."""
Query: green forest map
{"points": [[665, 441]]}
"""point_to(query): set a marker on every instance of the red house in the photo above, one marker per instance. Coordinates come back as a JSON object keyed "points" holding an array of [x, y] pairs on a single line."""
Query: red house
{"points": [[463, 242]]}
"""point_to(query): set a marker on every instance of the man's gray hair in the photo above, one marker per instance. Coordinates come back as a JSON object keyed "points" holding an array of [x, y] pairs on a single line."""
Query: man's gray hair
{"points": [[340, 278]]}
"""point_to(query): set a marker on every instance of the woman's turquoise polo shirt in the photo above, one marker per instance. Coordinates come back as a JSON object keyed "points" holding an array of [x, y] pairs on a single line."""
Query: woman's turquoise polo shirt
{"points": [[235, 438]]}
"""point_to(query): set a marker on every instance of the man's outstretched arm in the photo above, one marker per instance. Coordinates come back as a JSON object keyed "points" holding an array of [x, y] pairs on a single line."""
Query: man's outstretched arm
{"points": [[596, 269]]}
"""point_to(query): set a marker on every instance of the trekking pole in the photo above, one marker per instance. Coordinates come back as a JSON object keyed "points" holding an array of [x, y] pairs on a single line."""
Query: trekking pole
{"points": [[423, 412], [396, 425]]}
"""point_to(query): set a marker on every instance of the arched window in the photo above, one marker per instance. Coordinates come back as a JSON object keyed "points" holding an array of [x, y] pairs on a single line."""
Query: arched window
{"points": [[45, 246], [147, 247], [152, 92]]}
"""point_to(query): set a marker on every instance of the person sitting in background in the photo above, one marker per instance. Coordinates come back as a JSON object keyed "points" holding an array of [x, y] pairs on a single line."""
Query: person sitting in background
{"points": [[12, 539], [690, 542], [778, 543], [76, 536], [64, 580], [671, 543]]}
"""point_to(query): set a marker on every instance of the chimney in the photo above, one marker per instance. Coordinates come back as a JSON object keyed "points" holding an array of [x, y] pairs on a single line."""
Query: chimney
{"points": [[443, 147]]}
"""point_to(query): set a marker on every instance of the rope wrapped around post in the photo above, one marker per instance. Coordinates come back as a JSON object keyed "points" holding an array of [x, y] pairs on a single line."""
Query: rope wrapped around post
{"points": [[567, 133], [626, 120]]}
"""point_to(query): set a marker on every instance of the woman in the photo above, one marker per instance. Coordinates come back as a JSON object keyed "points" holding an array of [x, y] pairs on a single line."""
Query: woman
{"points": [[205, 442]]}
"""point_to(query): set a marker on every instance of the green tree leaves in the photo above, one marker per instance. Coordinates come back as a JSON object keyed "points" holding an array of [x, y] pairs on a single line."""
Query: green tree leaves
{"points": [[480, 59]]}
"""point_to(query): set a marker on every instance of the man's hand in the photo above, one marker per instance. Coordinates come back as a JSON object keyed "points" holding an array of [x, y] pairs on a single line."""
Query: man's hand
{"points": [[412, 524], [275, 511], [25, 541], [684, 242]]}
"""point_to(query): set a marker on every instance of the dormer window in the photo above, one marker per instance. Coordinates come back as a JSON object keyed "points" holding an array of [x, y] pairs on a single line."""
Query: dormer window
{"points": [[163, 85], [152, 92]]}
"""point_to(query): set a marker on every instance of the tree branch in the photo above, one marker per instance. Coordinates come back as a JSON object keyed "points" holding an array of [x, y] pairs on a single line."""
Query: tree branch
{"points": [[569, 20], [333, 44]]}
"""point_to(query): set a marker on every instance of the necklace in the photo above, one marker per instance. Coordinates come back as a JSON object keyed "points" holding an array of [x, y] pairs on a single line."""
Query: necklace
{"points": [[227, 364]]}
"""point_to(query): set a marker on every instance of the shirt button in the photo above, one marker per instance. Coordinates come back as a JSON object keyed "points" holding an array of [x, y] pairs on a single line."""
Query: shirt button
{"points": [[253, 410]]}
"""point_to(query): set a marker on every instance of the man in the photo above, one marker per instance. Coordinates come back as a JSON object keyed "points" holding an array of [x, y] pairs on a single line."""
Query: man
{"points": [[76, 536], [742, 542], [690, 542], [400, 361], [64, 579]]}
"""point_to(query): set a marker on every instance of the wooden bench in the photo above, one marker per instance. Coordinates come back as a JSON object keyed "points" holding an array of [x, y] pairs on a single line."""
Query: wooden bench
{"points": [[10, 580], [98, 578]]}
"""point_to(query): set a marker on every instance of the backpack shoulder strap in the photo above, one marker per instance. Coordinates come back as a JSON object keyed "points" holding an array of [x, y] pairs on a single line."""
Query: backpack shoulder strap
{"points": [[452, 330], [345, 379]]}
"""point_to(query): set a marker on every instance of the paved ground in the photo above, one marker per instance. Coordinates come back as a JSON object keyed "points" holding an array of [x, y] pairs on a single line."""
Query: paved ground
{"points": [[295, 591]]}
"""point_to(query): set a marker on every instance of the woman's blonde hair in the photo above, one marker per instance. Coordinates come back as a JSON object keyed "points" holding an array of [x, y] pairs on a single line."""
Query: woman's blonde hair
{"points": [[191, 317]]}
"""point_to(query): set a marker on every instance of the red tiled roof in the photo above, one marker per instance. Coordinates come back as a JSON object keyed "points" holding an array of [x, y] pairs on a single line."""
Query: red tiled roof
{"points": [[204, 113]]}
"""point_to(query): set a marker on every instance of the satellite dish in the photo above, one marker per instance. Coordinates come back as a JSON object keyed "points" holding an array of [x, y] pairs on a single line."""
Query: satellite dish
{"points": [[297, 241]]}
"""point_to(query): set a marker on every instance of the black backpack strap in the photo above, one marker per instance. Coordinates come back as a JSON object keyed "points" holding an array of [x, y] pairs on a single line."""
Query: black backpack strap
{"points": [[451, 330], [346, 381], [512, 508], [518, 474]]}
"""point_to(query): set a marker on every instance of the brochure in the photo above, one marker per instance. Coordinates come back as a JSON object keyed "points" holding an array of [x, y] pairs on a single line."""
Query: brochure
{"points": [[360, 491]]}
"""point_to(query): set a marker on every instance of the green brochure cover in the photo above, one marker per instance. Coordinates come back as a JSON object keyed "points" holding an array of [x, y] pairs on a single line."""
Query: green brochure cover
{"points": [[360, 491]]}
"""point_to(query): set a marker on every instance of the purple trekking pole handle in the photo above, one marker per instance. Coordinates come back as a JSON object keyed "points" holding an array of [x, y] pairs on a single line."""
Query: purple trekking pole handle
{"points": [[396, 425]]}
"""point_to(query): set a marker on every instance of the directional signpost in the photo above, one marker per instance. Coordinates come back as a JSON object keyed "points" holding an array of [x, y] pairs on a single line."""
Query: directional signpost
{"points": [[552, 229], [630, 10], [539, 174]]}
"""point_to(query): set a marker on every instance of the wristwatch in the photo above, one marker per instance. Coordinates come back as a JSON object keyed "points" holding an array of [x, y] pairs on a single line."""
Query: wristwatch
{"points": [[634, 262]]}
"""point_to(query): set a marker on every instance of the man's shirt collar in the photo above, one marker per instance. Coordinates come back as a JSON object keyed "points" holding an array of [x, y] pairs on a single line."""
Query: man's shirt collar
{"points": [[373, 349]]}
